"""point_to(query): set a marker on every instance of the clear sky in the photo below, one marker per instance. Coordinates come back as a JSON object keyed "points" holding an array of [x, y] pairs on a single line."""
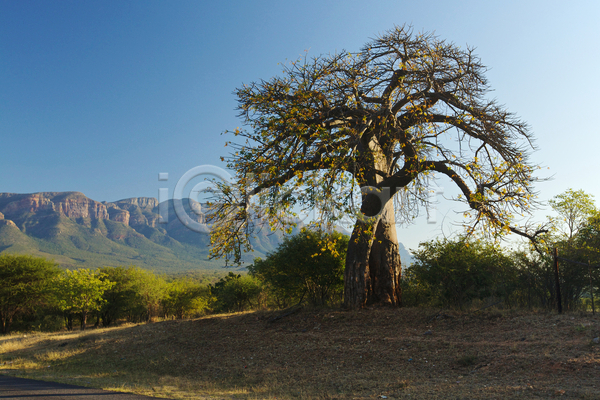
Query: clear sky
{"points": [[101, 96]]}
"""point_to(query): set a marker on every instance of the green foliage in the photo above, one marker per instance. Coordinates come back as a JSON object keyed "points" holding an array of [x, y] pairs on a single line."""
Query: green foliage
{"points": [[575, 233], [139, 295], [453, 273], [536, 288], [25, 285], [574, 209], [185, 298], [236, 293], [309, 264], [584, 247], [81, 292], [121, 299], [149, 290]]}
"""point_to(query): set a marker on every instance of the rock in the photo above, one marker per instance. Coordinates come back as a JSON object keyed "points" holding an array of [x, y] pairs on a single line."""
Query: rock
{"points": [[118, 215], [428, 333], [596, 340], [28, 203], [70, 204], [148, 203], [8, 222]]}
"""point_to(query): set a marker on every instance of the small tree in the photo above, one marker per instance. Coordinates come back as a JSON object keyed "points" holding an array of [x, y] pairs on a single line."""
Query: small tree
{"points": [[25, 283], [574, 209], [185, 297], [235, 292], [572, 233], [81, 292], [149, 290], [309, 264], [122, 297]]}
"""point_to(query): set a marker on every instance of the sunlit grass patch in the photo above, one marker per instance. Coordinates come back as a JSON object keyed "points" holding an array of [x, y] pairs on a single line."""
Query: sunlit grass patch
{"points": [[56, 355], [318, 354]]}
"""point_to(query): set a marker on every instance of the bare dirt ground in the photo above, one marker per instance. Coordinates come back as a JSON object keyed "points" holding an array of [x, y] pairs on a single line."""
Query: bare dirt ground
{"points": [[327, 354]]}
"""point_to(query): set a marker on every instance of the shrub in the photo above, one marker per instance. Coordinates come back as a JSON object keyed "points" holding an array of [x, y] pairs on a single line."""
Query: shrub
{"points": [[236, 293], [457, 272], [309, 264], [26, 284], [135, 296], [185, 298]]}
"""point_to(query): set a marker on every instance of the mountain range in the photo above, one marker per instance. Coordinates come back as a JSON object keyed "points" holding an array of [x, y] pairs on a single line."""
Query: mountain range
{"points": [[76, 231]]}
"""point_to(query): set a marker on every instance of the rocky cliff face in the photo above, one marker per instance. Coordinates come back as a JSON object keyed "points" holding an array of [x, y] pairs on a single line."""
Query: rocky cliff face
{"points": [[81, 208], [148, 203], [8, 222], [32, 203], [4, 222], [70, 204], [116, 214], [74, 205]]}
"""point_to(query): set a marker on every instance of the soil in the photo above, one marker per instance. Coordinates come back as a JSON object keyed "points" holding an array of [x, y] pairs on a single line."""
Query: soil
{"points": [[367, 354]]}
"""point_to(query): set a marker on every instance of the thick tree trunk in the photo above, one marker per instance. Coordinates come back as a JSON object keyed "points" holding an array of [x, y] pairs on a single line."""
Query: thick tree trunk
{"points": [[84, 316], [373, 268], [357, 277], [384, 262]]}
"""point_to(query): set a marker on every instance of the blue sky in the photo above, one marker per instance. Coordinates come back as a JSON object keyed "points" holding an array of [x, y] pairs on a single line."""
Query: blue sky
{"points": [[99, 97]]}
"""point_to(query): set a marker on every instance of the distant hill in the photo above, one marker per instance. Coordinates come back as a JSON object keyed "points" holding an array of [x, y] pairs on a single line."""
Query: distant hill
{"points": [[77, 231]]}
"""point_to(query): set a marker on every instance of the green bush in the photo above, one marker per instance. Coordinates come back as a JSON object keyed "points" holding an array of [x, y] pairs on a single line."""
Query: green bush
{"points": [[81, 292], [121, 298], [51, 323], [454, 273], [136, 295], [308, 265], [25, 285], [236, 293], [185, 298]]}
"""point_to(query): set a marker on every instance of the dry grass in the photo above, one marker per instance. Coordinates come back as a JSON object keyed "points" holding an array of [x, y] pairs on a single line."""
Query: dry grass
{"points": [[326, 354]]}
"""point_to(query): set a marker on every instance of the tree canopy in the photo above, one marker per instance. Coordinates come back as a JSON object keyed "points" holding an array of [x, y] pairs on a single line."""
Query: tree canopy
{"points": [[574, 209], [405, 108], [25, 284], [81, 291]]}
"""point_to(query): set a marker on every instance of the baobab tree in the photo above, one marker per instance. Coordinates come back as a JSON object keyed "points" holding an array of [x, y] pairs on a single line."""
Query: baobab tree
{"points": [[405, 108]]}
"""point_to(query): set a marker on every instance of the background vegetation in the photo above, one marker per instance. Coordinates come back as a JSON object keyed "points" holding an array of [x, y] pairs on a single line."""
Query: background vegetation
{"points": [[455, 273], [39, 296]]}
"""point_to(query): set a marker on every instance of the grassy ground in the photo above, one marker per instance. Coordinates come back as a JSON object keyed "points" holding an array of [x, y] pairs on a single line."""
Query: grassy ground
{"points": [[326, 354]]}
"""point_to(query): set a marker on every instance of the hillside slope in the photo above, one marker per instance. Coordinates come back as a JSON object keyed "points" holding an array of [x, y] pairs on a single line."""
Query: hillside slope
{"points": [[77, 231]]}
